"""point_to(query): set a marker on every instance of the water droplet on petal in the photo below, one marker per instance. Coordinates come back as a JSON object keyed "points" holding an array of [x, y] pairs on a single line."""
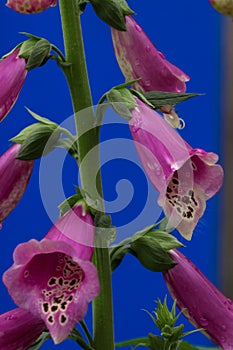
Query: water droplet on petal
{"points": [[224, 327], [138, 28], [161, 54], [148, 48], [150, 166], [222, 339], [136, 125], [203, 322], [148, 82]]}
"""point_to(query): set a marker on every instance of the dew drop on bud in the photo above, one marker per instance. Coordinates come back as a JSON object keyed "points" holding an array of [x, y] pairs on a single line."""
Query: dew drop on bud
{"points": [[203, 322], [138, 28]]}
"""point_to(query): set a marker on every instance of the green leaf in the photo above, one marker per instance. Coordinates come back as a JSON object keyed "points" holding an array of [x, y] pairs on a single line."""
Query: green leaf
{"points": [[40, 141], [186, 346], [151, 255], [39, 54], [159, 99], [111, 12], [40, 341]]}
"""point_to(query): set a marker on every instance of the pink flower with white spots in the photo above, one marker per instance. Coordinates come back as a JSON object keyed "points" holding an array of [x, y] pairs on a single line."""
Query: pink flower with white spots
{"points": [[30, 6]]}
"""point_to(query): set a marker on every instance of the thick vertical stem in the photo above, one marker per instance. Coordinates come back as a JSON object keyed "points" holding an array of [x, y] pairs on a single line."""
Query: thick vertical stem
{"points": [[89, 163]]}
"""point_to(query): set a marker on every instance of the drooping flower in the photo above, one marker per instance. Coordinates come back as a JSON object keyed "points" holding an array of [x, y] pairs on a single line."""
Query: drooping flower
{"points": [[54, 278], [223, 6], [19, 329], [12, 75], [200, 301], [139, 58], [14, 177], [30, 6], [185, 177]]}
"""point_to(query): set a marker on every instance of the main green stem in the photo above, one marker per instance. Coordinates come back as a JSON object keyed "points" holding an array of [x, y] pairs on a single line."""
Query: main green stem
{"points": [[88, 140]]}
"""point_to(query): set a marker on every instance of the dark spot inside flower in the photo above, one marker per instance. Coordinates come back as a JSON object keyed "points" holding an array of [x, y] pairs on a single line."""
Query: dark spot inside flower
{"points": [[169, 190], [54, 308], [175, 181], [191, 209], [189, 215], [63, 305], [184, 214], [194, 166], [52, 281], [171, 202], [60, 281], [63, 319], [58, 300], [178, 209], [45, 307], [50, 319], [70, 298], [73, 282]]}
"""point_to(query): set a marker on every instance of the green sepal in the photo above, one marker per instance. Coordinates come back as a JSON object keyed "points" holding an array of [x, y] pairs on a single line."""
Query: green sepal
{"points": [[126, 10], [68, 203], [39, 54], [35, 50], [159, 99], [151, 255], [111, 12], [165, 240], [155, 342], [186, 346], [40, 141], [117, 255], [122, 101]]}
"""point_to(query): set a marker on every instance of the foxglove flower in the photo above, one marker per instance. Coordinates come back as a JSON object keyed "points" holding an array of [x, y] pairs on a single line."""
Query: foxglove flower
{"points": [[139, 58], [185, 177], [200, 301], [14, 177], [223, 6], [12, 75], [30, 6], [54, 278], [19, 329]]}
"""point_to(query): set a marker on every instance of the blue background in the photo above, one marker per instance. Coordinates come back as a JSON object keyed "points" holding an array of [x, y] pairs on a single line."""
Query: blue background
{"points": [[189, 34]]}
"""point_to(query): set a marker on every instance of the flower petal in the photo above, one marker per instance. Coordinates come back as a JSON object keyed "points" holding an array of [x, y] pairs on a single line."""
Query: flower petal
{"points": [[14, 175], [30, 6], [50, 280], [19, 329], [139, 58], [12, 75], [200, 301], [76, 228]]}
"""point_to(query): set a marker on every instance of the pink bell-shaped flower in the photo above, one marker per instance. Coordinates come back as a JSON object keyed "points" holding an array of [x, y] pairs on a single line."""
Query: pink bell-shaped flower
{"points": [[55, 278], [139, 58], [12, 75], [19, 329], [200, 301], [14, 177], [223, 6], [30, 6], [185, 177]]}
